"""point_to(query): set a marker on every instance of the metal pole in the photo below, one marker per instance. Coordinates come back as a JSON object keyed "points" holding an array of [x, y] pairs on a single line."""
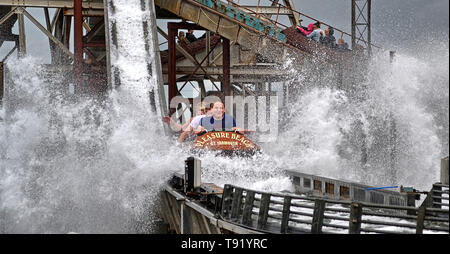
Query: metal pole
{"points": [[353, 24], [226, 87], [22, 36], [172, 72], [208, 47], [78, 41], [49, 28], [369, 39]]}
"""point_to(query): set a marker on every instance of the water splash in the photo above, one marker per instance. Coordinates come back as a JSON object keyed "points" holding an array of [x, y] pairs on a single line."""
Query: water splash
{"points": [[95, 165], [390, 129]]}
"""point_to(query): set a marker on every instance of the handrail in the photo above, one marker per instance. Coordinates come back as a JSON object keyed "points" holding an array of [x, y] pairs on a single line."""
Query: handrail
{"points": [[302, 14], [238, 208]]}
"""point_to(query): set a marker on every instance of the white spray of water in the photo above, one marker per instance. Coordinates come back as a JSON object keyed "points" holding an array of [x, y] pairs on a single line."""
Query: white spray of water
{"points": [[87, 165], [95, 165], [393, 136]]}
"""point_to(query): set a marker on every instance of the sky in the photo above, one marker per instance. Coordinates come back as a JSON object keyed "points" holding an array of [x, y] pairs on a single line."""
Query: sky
{"points": [[399, 25]]}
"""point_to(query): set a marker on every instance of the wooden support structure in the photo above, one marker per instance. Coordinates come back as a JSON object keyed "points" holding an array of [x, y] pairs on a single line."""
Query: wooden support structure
{"points": [[318, 215], [248, 208], [285, 215], [263, 211], [238, 209], [355, 219]]}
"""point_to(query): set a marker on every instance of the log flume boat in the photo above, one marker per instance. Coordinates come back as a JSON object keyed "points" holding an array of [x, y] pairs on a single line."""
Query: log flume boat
{"points": [[225, 142]]}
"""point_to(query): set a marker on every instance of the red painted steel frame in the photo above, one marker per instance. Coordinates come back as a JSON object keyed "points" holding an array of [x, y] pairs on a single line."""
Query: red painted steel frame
{"points": [[78, 41], [226, 57], [172, 33]]}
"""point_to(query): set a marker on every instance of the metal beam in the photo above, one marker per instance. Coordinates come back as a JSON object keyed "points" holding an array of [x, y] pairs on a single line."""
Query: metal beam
{"points": [[172, 64], [179, 48], [51, 3], [7, 16], [46, 32], [78, 41], [295, 16], [268, 10], [226, 64], [86, 13], [241, 70], [22, 36], [95, 30]]}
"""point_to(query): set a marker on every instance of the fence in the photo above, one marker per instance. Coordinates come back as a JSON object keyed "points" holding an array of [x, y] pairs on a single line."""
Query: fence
{"points": [[437, 197], [285, 213]]}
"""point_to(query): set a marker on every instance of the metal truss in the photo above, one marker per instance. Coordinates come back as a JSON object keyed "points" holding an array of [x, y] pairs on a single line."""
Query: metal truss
{"points": [[361, 31]]}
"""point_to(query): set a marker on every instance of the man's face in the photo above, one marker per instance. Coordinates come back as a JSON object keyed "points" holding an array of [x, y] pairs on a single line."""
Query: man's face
{"points": [[218, 110], [327, 32]]}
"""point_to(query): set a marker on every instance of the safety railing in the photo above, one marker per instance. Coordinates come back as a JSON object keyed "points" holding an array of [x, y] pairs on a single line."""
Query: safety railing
{"points": [[279, 6], [437, 197], [286, 213]]}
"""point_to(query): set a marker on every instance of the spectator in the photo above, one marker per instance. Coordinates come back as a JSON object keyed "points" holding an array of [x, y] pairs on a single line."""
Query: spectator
{"points": [[342, 45], [182, 38], [328, 40], [300, 22], [307, 31], [316, 33], [190, 36]]}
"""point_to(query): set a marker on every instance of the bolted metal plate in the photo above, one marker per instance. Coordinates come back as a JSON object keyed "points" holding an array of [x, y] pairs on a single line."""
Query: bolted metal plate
{"points": [[173, 6], [189, 12], [209, 20], [248, 39], [228, 29]]}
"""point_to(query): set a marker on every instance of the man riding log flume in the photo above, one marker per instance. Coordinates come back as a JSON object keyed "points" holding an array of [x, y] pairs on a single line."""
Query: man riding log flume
{"points": [[207, 119], [218, 121]]}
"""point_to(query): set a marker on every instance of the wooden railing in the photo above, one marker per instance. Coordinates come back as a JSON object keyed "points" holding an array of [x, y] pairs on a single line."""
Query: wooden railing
{"points": [[286, 213], [437, 197]]}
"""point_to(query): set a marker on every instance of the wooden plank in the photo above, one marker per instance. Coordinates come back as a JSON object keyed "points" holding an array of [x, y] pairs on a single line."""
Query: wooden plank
{"points": [[226, 200], [355, 218], [236, 204], [263, 210], [206, 224], [318, 215], [169, 212], [248, 207], [175, 210], [420, 220], [285, 214]]}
